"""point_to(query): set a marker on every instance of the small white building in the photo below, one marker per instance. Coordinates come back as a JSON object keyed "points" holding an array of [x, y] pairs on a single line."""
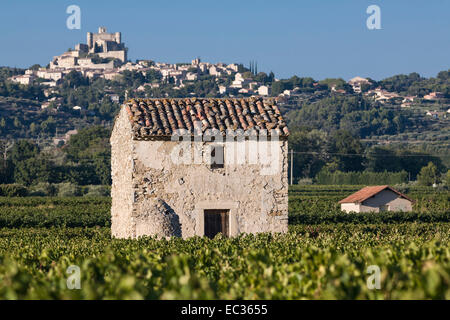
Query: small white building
{"points": [[222, 89], [263, 90], [376, 199], [25, 79], [357, 82]]}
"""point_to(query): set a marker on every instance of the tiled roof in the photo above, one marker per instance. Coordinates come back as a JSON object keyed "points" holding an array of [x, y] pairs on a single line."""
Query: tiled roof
{"points": [[161, 117], [367, 192]]}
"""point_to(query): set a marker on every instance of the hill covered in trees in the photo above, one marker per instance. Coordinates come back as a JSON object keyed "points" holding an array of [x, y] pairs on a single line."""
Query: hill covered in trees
{"points": [[332, 128]]}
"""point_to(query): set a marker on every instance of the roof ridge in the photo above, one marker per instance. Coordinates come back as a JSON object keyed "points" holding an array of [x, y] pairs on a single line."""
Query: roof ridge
{"points": [[193, 99]]}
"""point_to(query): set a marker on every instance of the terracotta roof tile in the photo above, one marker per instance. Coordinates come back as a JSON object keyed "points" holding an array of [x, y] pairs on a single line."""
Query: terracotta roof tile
{"points": [[161, 117], [367, 192]]}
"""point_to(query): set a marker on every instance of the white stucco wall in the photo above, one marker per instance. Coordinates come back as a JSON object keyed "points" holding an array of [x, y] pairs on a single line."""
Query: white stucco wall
{"points": [[350, 207]]}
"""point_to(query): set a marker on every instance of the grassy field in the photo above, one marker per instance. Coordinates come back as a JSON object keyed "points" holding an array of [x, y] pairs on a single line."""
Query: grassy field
{"points": [[325, 255]]}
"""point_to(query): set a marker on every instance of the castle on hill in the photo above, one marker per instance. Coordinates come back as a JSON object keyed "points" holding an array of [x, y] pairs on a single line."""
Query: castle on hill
{"points": [[105, 45]]}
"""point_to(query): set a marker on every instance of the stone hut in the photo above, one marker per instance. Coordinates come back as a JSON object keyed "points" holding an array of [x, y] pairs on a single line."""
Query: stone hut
{"points": [[376, 199], [187, 167]]}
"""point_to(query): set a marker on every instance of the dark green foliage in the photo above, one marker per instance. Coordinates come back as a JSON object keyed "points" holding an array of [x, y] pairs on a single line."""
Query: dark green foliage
{"points": [[6, 172], [414, 84], [86, 161], [379, 159], [351, 113], [12, 190], [345, 152], [368, 218], [428, 175], [90, 150], [53, 212], [304, 84]]}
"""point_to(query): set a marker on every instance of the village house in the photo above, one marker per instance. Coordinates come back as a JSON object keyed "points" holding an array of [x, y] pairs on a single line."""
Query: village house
{"points": [[408, 101], [222, 89], [376, 199], [263, 90], [383, 96], [187, 167], [357, 83], [434, 114], [25, 79], [434, 96], [239, 81]]}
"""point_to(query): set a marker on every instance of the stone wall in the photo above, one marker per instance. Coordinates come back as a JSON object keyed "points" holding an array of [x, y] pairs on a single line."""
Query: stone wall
{"points": [[121, 55], [257, 202], [122, 189]]}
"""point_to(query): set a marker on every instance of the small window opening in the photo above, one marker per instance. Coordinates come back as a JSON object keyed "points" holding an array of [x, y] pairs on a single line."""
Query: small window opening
{"points": [[217, 157]]}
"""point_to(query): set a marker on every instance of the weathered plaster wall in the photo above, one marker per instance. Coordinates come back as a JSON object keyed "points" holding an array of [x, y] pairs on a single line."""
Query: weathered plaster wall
{"points": [[257, 202], [122, 191]]}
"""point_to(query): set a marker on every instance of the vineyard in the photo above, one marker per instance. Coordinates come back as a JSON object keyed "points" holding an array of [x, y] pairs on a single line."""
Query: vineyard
{"points": [[325, 255]]}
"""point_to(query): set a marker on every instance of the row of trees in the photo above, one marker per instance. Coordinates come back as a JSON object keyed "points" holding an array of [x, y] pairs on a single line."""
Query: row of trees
{"points": [[361, 178], [341, 151]]}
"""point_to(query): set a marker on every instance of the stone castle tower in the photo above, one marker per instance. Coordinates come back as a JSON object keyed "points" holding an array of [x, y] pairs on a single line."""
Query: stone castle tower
{"points": [[107, 45]]}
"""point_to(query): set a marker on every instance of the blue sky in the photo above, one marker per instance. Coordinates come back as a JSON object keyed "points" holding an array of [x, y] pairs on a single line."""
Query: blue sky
{"points": [[320, 38]]}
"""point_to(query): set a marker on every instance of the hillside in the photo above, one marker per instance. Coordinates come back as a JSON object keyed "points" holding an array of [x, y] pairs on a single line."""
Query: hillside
{"points": [[332, 126]]}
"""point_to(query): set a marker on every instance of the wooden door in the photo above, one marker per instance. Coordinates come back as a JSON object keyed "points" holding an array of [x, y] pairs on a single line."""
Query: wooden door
{"points": [[216, 221]]}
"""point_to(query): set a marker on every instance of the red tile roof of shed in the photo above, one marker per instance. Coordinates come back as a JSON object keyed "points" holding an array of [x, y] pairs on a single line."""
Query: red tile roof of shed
{"points": [[368, 192], [161, 117]]}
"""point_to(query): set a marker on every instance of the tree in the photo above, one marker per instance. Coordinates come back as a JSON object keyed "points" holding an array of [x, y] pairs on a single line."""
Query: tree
{"points": [[337, 83], [33, 128], [262, 77], [90, 152], [17, 123], [33, 170], [74, 79], [447, 179], [278, 87], [345, 150], [153, 75], [428, 175], [48, 126], [6, 171], [35, 67], [248, 75], [309, 147], [23, 150]]}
